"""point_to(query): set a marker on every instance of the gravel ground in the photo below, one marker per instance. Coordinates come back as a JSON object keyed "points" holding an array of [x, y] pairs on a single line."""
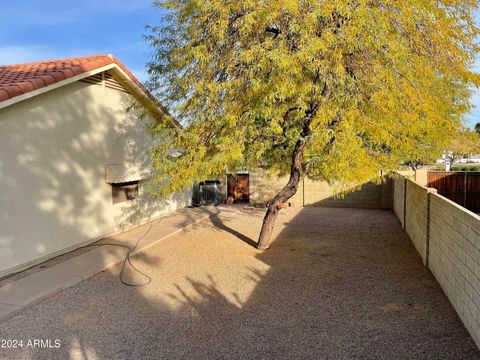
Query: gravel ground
{"points": [[336, 284]]}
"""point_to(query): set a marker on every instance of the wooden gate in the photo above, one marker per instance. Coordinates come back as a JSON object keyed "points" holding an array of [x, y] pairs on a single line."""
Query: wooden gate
{"points": [[462, 187], [238, 187]]}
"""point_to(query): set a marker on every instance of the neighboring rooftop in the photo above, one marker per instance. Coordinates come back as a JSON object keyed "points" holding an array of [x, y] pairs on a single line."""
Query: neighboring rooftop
{"points": [[20, 79]]}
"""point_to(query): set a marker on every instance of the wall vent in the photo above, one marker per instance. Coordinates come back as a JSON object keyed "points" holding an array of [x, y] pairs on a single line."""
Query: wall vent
{"points": [[105, 79]]}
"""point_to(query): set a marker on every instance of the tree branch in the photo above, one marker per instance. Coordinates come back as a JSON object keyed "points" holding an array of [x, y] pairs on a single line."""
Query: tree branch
{"points": [[276, 31]]}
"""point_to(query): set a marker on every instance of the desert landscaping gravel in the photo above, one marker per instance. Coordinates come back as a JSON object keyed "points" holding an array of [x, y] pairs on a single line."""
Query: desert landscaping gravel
{"points": [[335, 284]]}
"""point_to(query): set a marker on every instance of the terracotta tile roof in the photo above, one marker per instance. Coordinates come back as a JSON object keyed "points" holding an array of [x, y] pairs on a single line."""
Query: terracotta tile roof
{"points": [[19, 79]]}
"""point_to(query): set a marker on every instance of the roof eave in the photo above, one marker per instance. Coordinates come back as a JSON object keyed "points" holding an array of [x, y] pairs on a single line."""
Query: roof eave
{"points": [[56, 85], [153, 106]]}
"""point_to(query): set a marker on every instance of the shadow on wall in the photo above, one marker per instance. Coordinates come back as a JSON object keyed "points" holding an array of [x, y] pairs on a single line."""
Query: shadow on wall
{"points": [[367, 196], [341, 283], [53, 152], [320, 193]]}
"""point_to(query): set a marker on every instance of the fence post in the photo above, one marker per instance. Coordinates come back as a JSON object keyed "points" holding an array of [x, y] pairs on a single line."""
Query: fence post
{"points": [[465, 190], [430, 191]]}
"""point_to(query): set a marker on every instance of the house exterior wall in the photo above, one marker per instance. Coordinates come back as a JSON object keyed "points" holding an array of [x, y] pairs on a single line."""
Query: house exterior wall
{"points": [[447, 236], [53, 152], [319, 193]]}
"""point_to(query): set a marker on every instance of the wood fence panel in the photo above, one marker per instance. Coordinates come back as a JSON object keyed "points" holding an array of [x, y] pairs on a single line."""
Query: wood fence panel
{"points": [[449, 184], [473, 191], [458, 186]]}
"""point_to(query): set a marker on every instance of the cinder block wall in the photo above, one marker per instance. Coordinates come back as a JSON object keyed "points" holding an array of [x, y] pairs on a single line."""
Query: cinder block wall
{"points": [[366, 196], [454, 258], [447, 236], [319, 193], [416, 226], [399, 199], [264, 187], [421, 177]]}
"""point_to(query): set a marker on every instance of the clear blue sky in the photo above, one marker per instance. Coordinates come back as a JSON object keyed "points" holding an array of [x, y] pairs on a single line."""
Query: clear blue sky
{"points": [[35, 30]]}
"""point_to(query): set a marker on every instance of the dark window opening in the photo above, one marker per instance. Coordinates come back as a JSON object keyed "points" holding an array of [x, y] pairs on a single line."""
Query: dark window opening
{"points": [[124, 191]]}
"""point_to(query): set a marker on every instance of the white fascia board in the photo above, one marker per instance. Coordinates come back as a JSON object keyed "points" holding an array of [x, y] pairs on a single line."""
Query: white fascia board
{"points": [[133, 87], [148, 102], [56, 85]]}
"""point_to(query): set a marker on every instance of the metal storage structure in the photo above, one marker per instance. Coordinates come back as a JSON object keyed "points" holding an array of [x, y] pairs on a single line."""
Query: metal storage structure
{"points": [[207, 193]]}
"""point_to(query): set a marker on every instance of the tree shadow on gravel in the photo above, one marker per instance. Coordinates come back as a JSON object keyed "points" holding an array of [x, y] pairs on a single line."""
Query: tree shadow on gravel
{"points": [[220, 225], [336, 284]]}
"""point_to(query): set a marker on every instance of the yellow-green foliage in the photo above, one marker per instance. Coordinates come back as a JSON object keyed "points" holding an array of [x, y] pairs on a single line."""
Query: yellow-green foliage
{"points": [[382, 82], [464, 143]]}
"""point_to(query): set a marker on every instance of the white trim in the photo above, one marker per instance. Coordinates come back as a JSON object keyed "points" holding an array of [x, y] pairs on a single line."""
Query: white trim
{"points": [[56, 85], [117, 70], [149, 103]]}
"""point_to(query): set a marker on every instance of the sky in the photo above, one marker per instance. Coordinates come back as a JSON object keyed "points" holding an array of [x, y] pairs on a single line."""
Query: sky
{"points": [[34, 30]]}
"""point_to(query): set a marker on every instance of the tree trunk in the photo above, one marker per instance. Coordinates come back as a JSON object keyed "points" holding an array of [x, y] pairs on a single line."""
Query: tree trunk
{"points": [[286, 193]]}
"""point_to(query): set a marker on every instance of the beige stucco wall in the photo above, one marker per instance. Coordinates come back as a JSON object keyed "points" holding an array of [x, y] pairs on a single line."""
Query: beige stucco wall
{"points": [[53, 152], [447, 236], [319, 193]]}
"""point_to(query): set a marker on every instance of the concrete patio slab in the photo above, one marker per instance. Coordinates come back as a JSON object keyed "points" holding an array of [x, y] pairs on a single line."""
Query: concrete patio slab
{"points": [[89, 263], [34, 287], [41, 284], [8, 309]]}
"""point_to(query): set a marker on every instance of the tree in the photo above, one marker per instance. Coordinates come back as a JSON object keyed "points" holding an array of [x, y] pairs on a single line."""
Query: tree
{"points": [[426, 152], [334, 89], [463, 143], [477, 128]]}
